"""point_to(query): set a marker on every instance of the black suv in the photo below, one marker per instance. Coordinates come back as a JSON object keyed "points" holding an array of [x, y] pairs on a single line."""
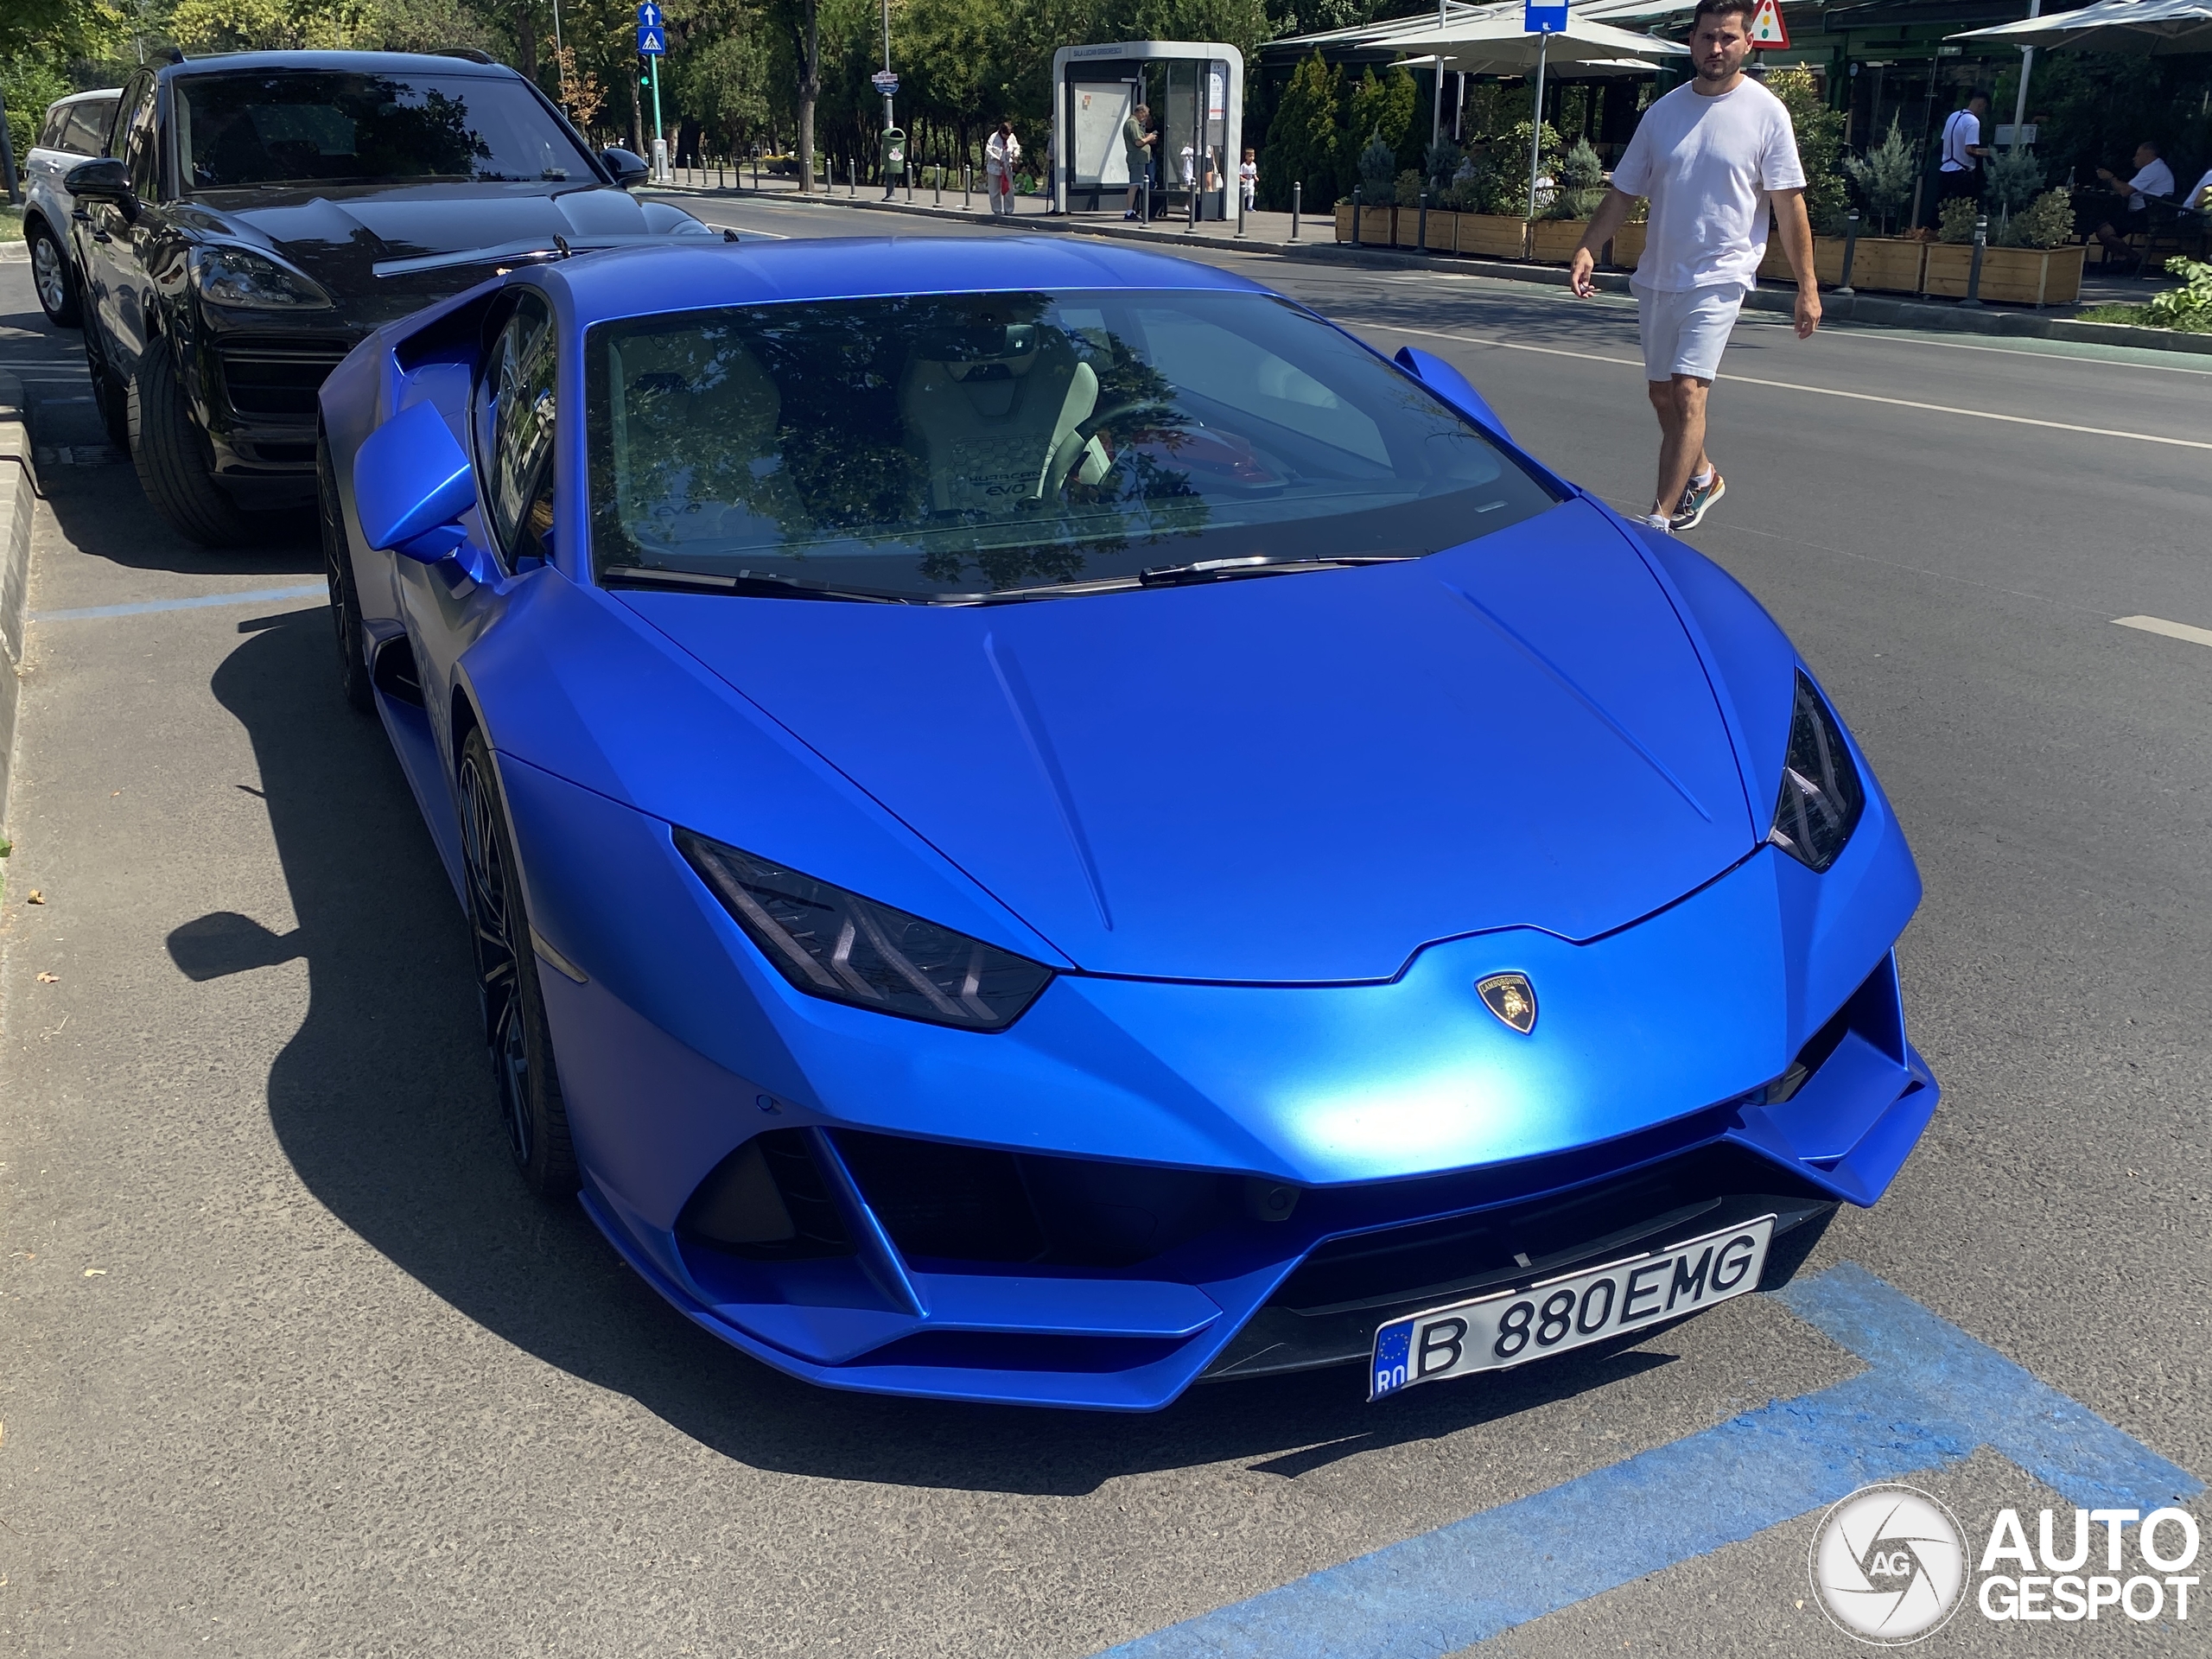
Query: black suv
{"points": [[256, 214]]}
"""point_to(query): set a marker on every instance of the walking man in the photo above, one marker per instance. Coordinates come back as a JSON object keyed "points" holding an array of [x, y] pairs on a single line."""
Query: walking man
{"points": [[1963, 150], [1714, 156], [1136, 143]]}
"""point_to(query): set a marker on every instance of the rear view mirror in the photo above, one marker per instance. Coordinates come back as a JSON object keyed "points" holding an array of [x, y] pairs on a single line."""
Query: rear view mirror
{"points": [[1453, 387], [628, 169], [104, 178], [412, 482]]}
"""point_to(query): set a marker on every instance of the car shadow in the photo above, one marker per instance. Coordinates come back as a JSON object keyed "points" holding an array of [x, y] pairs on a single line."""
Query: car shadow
{"points": [[382, 1102]]}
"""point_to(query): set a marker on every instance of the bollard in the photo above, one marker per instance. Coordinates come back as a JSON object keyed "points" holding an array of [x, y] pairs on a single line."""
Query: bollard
{"points": [[1148, 195], [937, 190], [1240, 207], [1355, 215], [1297, 191], [967, 179], [1850, 251], [756, 166], [1973, 270], [910, 187], [1420, 225]]}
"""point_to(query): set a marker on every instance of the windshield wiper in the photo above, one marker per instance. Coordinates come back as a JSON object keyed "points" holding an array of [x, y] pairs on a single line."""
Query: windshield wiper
{"points": [[1176, 575], [751, 585]]}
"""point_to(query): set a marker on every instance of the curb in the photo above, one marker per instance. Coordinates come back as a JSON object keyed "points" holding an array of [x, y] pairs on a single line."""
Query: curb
{"points": [[1866, 309], [18, 491]]}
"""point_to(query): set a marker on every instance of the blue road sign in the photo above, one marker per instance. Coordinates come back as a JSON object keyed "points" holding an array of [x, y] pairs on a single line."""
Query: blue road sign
{"points": [[653, 42], [1543, 20], [649, 16]]}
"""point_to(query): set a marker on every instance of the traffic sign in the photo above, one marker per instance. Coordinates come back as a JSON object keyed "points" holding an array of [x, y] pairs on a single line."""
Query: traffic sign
{"points": [[653, 42], [885, 82], [1537, 19], [649, 16], [1767, 27]]}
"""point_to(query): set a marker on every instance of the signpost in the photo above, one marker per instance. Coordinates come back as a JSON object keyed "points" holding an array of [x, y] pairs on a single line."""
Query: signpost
{"points": [[1544, 22], [652, 46], [886, 82], [1768, 30]]}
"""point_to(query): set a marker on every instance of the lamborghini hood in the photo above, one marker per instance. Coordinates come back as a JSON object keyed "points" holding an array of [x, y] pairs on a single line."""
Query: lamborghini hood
{"points": [[1292, 779]]}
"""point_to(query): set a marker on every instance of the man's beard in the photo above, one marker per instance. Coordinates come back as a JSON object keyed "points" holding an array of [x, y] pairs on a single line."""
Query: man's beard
{"points": [[1713, 69]]}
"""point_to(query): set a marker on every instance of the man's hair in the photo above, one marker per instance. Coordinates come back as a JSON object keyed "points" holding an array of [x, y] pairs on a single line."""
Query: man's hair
{"points": [[2151, 145], [1977, 97], [1706, 8]]}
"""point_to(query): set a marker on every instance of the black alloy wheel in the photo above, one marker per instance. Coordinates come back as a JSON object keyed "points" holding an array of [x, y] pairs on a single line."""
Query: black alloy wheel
{"points": [[345, 599], [506, 982], [51, 276], [177, 465]]}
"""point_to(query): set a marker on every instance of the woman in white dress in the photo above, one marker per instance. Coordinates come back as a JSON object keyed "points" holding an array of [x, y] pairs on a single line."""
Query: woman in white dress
{"points": [[1001, 156]]}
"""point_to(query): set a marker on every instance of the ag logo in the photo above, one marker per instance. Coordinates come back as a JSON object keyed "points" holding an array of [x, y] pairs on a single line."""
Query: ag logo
{"points": [[1888, 1565], [1511, 998]]}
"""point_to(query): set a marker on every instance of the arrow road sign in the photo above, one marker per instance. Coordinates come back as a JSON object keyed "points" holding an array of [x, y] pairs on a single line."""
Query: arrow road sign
{"points": [[653, 42], [1537, 19], [649, 16]]}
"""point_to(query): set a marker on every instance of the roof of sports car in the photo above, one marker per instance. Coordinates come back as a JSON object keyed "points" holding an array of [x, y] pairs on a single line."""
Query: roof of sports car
{"points": [[691, 271]]}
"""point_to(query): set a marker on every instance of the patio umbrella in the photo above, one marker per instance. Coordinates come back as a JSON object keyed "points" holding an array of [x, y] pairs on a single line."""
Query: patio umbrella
{"points": [[2153, 29], [1495, 43]]}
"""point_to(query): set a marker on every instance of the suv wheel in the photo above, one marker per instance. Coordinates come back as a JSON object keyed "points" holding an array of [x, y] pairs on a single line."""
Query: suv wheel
{"points": [[175, 465], [50, 275]]}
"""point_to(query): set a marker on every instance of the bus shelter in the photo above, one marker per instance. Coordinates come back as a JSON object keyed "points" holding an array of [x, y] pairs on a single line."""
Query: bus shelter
{"points": [[1194, 90]]}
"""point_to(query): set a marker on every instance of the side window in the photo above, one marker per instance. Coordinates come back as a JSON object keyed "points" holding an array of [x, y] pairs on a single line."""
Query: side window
{"points": [[516, 401], [134, 140], [53, 134], [88, 126]]}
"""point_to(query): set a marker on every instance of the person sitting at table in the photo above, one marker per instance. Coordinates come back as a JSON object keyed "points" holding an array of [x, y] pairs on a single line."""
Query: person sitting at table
{"points": [[2199, 200], [2153, 180]]}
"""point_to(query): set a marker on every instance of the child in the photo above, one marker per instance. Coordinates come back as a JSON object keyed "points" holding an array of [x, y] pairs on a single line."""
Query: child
{"points": [[1248, 180]]}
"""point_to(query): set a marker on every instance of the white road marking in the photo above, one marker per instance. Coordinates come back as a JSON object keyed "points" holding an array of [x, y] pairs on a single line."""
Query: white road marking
{"points": [[1820, 391], [2171, 630]]}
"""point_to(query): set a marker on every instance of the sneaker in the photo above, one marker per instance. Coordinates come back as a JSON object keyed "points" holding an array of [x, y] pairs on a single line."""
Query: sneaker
{"points": [[1658, 521], [1698, 498]]}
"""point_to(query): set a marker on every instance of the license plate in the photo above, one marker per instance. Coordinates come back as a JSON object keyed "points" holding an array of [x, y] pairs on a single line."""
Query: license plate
{"points": [[1512, 1327]]}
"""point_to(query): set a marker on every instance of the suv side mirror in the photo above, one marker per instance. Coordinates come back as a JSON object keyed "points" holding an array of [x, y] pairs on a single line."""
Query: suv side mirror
{"points": [[628, 168], [1453, 387], [104, 178], [412, 482]]}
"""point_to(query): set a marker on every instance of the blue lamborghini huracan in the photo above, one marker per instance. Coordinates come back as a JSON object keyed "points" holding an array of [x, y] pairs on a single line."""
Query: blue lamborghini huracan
{"points": [[1042, 824]]}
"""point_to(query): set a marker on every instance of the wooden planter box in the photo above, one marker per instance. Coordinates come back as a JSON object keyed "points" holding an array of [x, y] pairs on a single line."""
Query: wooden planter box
{"points": [[2010, 275], [1494, 236], [1377, 225], [1628, 246], [1552, 241], [1888, 264], [1442, 232], [1827, 261]]}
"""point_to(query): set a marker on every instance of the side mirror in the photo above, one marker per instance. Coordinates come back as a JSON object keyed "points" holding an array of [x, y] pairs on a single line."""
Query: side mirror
{"points": [[105, 178], [628, 168], [412, 482], [1453, 387]]}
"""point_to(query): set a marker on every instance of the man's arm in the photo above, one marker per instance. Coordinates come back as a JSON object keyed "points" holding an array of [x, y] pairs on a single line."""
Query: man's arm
{"points": [[1796, 232], [1612, 214]]}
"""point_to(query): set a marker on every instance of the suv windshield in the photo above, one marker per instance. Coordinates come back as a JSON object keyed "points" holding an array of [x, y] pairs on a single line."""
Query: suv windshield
{"points": [[946, 446], [288, 127]]}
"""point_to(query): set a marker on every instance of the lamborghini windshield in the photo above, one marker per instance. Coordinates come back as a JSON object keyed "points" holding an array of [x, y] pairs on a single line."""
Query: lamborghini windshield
{"points": [[952, 446]]}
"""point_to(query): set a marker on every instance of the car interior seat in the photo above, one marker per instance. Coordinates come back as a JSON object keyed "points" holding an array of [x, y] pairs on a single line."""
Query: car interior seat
{"points": [[988, 407], [696, 444]]}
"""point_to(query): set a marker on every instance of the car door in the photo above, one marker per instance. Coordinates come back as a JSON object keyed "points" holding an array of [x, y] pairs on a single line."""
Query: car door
{"points": [[109, 249], [510, 415]]}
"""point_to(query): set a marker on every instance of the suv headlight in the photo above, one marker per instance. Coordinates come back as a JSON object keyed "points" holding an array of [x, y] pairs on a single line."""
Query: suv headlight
{"points": [[243, 278], [833, 943], [1821, 796]]}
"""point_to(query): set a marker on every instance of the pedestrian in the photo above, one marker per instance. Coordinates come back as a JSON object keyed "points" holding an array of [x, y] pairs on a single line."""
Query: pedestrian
{"points": [[1963, 150], [1718, 159], [1136, 143], [1248, 180], [2153, 181], [1001, 154]]}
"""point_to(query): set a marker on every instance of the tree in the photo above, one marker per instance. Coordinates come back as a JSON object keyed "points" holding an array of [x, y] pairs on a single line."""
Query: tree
{"points": [[1384, 104], [1302, 138], [1820, 145]]}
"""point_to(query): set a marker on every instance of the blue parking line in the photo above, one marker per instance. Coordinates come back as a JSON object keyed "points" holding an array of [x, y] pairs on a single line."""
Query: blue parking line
{"points": [[1930, 1395], [258, 596]]}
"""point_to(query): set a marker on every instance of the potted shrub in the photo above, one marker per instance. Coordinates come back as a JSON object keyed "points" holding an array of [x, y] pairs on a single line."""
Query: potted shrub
{"points": [[1581, 186], [1885, 175], [2030, 266]]}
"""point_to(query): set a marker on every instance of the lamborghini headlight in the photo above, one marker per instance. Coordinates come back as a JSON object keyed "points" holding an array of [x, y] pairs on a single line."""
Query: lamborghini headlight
{"points": [[1821, 796], [833, 943], [242, 278]]}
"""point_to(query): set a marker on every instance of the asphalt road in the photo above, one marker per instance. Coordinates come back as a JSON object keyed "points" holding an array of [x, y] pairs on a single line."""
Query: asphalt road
{"points": [[291, 1364]]}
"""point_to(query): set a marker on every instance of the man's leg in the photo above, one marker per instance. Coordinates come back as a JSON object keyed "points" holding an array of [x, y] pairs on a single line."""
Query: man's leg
{"points": [[1678, 401]]}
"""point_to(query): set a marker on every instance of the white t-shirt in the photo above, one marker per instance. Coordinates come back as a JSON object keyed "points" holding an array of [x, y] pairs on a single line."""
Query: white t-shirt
{"points": [[2156, 180], [1707, 164], [1961, 129]]}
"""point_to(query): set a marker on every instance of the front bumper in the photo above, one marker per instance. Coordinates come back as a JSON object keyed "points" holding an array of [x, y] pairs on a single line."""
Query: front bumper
{"points": [[1088, 1210]]}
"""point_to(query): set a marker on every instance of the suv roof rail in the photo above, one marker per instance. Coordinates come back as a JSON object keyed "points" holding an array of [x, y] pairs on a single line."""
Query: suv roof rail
{"points": [[473, 54]]}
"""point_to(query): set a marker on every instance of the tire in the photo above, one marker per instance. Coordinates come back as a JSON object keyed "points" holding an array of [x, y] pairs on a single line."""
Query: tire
{"points": [[175, 465], [515, 1028], [51, 276], [108, 396], [344, 598]]}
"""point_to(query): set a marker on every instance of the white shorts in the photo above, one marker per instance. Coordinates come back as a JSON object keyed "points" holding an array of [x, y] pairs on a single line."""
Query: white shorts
{"points": [[1685, 331]]}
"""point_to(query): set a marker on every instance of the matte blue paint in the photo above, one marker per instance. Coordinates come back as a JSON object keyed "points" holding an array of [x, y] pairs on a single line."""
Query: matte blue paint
{"points": [[201, 601], [1932, 1395], [1266, 834], [1449, 383]]}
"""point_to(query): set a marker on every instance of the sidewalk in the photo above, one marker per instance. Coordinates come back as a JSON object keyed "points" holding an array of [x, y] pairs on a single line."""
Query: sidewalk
{"points": [[1270, 233]]}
